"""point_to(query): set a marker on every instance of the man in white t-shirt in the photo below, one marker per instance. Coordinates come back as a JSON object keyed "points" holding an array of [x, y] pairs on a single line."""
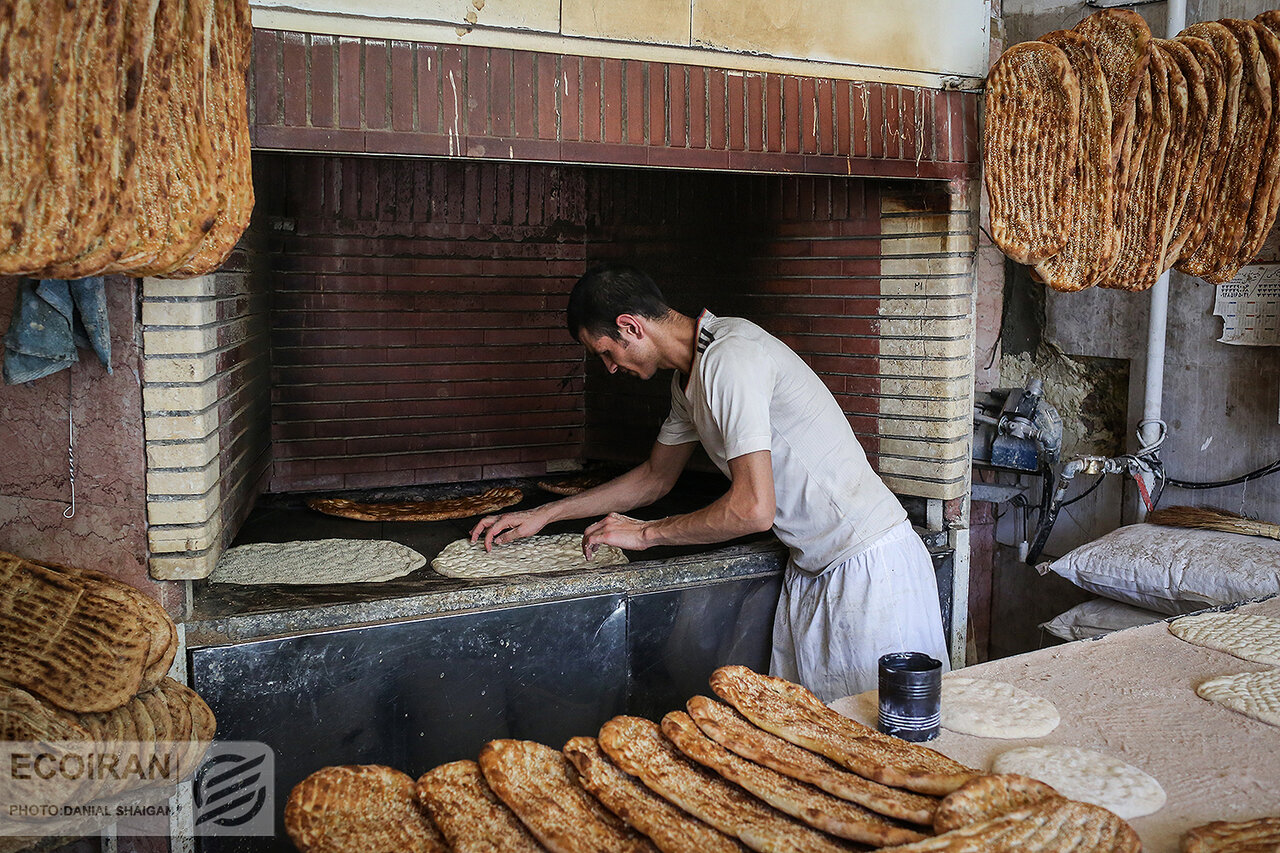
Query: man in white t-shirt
{"points": [[859, 582]]}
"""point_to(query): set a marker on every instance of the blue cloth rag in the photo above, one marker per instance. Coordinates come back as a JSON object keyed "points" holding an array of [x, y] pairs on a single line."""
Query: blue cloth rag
{"points": [[50, 319]]}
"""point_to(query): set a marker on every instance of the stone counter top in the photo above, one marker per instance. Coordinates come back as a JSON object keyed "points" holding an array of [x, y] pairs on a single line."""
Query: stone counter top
{"points": [[231, 613]]}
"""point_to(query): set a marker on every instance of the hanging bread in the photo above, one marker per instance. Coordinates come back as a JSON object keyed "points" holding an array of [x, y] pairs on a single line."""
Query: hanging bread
{"points": [[177, 199], [1143, 222], [121, 164], [1215, 258], [40, 224], [1122, 40], [1210, 159], [25, 27], [1188, 145], [1093, 239], [1266, 195], [1030, 149], [228, 121]]}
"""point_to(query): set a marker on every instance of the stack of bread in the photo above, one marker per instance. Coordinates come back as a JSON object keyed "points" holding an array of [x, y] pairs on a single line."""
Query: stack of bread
{"points": [[124, 142], [84, 659], [1110, 156], [766, 766]]}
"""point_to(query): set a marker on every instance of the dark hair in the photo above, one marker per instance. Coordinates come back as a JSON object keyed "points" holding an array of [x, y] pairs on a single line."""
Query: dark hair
{"points": [[607, 291]]}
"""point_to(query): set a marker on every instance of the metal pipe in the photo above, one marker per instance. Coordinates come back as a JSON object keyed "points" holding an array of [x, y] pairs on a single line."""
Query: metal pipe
{"points": [[1175, 21]]}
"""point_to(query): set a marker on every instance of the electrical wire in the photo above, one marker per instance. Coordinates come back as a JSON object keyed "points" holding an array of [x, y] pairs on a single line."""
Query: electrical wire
{"points": [[1264, 471]]}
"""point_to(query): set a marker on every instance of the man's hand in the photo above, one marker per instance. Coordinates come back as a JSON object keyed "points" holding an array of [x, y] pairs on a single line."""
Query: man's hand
{"points": [[615, 529], [501, 529]]}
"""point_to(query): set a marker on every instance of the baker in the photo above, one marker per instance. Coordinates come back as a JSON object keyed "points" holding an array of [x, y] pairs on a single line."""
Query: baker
{"points": [[859, 582]]}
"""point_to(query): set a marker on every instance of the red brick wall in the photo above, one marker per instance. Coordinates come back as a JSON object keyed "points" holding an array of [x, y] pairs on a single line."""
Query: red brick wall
{"points": [[797, 254], [417, 314], [377, 96], [417, 321]]}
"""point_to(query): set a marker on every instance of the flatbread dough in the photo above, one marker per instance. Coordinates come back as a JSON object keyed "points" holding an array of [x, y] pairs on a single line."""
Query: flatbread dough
{"points": [[986, 708], [317, 561], [557, 553], [1254, 694], [1245, 635], [1087, 775]]}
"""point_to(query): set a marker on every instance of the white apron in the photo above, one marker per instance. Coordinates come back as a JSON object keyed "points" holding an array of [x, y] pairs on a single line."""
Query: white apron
{"points": [[830, 629]]}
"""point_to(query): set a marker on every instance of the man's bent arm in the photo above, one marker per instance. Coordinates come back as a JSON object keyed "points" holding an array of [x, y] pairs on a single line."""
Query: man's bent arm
{"points": [[640, 486], [748, 507]]}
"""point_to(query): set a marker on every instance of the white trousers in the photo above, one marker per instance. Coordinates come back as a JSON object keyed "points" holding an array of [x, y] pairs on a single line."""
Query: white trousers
{"points": [[830, 629]]}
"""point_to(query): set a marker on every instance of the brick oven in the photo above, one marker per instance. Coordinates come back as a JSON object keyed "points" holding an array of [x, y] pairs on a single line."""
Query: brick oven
{"points": [[395, 314]]}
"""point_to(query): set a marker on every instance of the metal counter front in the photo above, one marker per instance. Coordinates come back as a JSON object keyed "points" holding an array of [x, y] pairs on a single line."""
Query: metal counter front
{"points": [[415, 693]]}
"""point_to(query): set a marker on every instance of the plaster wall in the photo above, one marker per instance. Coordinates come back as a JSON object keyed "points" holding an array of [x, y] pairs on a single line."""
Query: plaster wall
{"points": [[876, 40]]}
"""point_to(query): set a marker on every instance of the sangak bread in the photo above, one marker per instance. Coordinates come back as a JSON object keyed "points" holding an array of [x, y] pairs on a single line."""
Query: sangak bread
{"points": [[1053, 826], [189, 171], [1188, 104], [1093, 238], [181, 727], [359, 809], [988, 797], [468, 815], [27, 30], [24, 717], [1245, 836], [433, 510], [1122, 41], [559, 552], [161, 631], [177, 199], [1029, 149], [1215, 258], [727, 727], [794, 714], [69, 641], [538, 784], [798, 799], [638, 747], [1220, 140], [228, 120], [1266, 195], [671, 829], [1208, 161], [43, 218], [573, 485], [1144, 221]]}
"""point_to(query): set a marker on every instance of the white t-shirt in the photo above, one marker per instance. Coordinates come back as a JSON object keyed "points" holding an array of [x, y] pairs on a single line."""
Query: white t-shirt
{"points": [[748, 391]]}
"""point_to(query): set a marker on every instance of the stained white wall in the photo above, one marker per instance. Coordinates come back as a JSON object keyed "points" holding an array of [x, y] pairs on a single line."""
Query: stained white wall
{"points": [[913, 42]]}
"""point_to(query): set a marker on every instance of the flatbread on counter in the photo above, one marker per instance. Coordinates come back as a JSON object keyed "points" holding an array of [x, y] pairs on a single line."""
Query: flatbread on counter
{"points": [[1254, 694], [316, 561], [1222, 836], [793, 713], [1055, 825], [989, 797], [1087, 775], [442, 509], [723, 724], [555, 553], [1246, 635], [987, 708], [670, 828]]}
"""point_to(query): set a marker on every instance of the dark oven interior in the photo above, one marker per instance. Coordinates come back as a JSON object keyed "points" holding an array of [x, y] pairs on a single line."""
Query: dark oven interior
{"points": [[415, 309]]}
